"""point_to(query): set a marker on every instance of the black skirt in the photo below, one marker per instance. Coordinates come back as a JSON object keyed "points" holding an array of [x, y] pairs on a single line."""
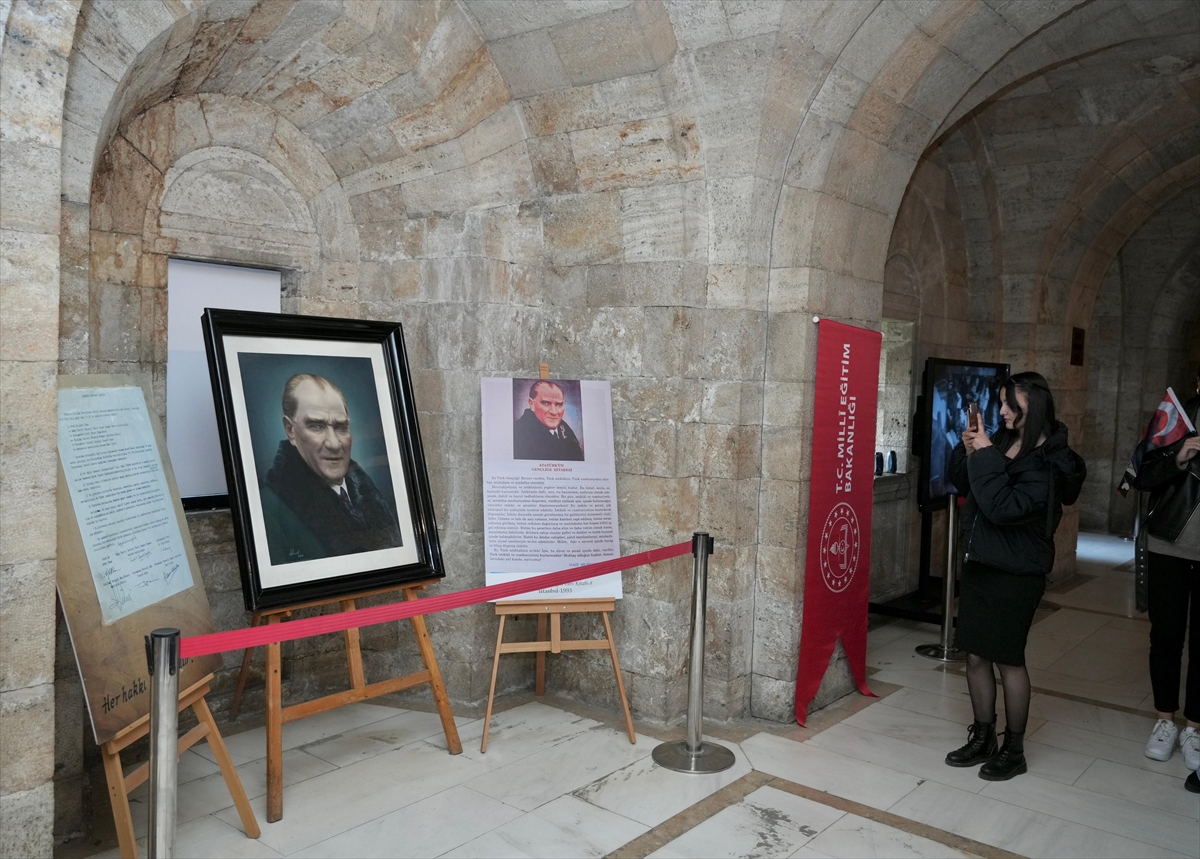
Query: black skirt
{"points": [[995, 611]]}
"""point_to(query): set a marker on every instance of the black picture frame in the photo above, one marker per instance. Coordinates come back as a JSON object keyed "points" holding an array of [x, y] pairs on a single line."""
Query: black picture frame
{"points": [[931, 440], [284, 557]]}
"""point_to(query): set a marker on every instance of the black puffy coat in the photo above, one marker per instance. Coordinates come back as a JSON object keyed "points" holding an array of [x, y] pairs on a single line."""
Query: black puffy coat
{"points": [[1174, 491], [1014, 505]]}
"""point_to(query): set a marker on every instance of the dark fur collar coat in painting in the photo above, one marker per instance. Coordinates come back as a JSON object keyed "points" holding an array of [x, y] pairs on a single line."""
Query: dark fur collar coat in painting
{"points": [[306, 520]]}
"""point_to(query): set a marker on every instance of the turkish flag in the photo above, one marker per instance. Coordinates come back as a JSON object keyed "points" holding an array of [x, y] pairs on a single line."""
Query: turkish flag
{"points": [[838, 566]]}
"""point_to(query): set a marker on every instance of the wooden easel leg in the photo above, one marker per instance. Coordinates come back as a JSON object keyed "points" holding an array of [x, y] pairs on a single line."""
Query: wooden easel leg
{"points": [[232, 781], [120, 802], [440, 698], [612, 651], [539, 686], [235, 706], [487, 716], [274, 731], [353, 651]]}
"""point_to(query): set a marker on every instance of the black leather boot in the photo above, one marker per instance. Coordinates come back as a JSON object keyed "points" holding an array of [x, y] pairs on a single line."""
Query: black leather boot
{"points": [[1007, 762], [981, 745]]}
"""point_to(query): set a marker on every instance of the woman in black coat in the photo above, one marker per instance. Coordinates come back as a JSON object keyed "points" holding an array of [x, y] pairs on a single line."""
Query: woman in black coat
{"points": [[1015, 484]]}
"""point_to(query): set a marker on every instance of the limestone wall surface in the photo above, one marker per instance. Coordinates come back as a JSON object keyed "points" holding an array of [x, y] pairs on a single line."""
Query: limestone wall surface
{"points": [[661, 193], [1145, 324], [34, 58]]}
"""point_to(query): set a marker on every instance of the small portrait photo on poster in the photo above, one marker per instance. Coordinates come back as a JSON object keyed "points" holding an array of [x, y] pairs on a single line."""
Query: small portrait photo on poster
{"points": [[317, 434], [547, 420]]}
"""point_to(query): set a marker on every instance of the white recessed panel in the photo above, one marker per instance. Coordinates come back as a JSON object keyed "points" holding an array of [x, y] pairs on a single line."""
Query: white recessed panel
{"points": [[192, 441]]}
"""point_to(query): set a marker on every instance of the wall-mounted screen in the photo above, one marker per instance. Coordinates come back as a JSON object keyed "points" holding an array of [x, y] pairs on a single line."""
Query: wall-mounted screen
{"points": [[949, 386]]}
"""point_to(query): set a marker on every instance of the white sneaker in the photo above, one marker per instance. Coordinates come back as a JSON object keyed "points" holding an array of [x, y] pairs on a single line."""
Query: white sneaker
{"points": [[1162, 740], [1189, 742]]}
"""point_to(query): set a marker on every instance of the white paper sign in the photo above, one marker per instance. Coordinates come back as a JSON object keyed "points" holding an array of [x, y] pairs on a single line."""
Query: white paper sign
{"points": [[549, 483], [119, 489]]}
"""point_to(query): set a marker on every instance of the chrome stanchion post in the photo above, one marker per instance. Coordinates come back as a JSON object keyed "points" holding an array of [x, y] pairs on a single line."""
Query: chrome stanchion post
{"points": [[945, 651], [692, 754], [162, 654]]}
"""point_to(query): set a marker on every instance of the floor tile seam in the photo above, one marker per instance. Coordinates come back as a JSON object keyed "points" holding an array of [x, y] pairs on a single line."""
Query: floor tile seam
{"points": [[358, 825], [1084, 800], [953, 722], [425, 740], [1127, 799], [307, 747], [1076, 581], [1040, 815], [678, 825], [392, 811], [1099, 611], [896, 821], [1139, 770], [1109, 830], [691, 817], [555, 744], [1067, 696], [917, 746], [1183, 773]]}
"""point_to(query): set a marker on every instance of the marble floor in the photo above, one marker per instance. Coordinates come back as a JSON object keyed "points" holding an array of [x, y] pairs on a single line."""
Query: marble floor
{"points": [[864, 778]]}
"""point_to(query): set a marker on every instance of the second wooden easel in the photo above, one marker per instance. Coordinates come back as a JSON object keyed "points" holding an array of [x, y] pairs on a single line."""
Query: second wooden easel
{"points": [[549, 613], [359, 689], [120, 785], [555, 643]]}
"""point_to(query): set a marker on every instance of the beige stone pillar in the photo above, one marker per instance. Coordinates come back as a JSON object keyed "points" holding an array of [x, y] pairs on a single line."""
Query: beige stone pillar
{"points": [[33, 72]]}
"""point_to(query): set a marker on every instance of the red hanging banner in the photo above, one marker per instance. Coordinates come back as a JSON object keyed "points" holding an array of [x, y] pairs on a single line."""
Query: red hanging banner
{"points": [[838, 566]]}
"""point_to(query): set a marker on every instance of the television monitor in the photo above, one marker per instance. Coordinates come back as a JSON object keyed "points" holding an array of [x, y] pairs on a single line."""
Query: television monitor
{"points": [[949, 385]]}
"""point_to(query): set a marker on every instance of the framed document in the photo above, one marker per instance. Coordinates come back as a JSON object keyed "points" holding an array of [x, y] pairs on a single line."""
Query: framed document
{"points": [[323, 457]]}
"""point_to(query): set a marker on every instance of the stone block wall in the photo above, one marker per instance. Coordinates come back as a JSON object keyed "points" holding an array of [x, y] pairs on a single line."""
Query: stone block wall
{"points": [[1140, 341], [661, 193], [34, 50]]}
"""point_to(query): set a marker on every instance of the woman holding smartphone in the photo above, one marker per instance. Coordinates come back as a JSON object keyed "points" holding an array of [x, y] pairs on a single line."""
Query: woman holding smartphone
{"points": [[1015, 484]]}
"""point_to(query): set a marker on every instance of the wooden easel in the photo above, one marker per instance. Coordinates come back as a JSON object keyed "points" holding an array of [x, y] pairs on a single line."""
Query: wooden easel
{"points": [[553, 611], [359, 689], [555, 644], [120, 785]]}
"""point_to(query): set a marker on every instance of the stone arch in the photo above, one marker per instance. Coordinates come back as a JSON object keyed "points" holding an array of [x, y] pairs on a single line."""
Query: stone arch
{"points": [[888, 77], [203, 184], [929, 238], [1145, 314], [158, 193], [891, 80], [1173, 323]]}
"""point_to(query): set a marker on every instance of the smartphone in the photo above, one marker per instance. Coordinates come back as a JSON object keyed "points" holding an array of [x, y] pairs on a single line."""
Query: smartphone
{"points": [[973, 420]]}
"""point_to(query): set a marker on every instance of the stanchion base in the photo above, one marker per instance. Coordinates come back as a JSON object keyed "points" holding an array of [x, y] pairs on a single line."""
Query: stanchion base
{"points": [[712, 757], [941, 654]]}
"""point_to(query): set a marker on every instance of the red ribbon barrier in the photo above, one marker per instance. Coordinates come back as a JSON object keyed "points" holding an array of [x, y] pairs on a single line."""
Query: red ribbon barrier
{"points": [[239, 639]]}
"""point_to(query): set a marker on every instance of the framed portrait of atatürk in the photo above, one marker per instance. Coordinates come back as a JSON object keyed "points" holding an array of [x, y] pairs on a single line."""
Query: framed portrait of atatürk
{"points": [[323, 458]]}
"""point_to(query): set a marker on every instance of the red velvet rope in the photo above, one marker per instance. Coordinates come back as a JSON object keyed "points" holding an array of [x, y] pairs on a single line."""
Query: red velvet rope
{"points": [[239, 639]]}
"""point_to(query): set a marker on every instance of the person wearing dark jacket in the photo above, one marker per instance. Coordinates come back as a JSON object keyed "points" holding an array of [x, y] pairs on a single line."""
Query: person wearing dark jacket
{"points": [[1015, 484], [1171, 475]]}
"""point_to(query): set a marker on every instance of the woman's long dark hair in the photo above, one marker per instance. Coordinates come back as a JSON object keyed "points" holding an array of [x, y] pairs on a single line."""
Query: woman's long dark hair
{"points": [[1039, 416]]}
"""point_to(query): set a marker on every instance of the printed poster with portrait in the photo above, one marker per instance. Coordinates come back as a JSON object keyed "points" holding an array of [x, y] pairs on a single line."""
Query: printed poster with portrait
{"points": [[549, 482], [328, 486]]}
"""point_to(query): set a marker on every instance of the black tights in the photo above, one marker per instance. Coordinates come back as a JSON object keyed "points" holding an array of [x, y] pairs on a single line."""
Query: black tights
{"points": [[981, 682]]}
